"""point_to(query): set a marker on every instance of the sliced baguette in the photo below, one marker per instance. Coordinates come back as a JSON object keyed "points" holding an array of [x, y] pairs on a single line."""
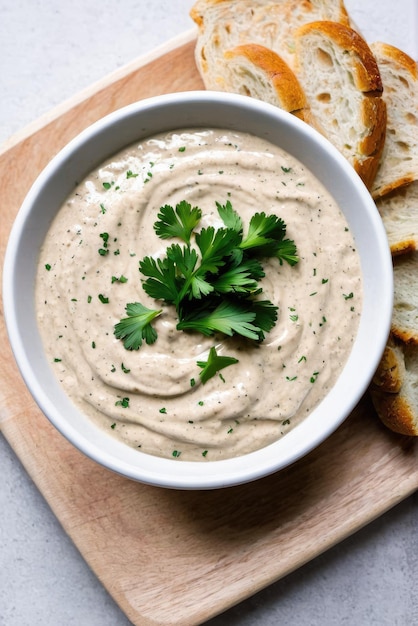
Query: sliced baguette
{"points": [[390, 374], [399, 213], [399, 162], [341, 79], [224, 24], [394, 389], [258, 72], [405, 305]]}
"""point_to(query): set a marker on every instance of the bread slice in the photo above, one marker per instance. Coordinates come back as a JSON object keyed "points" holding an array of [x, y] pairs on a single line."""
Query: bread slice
{"points": [[394, 389], [405, 305], [258, 72], [399, 163], [224, 24], [390, 374], [342, 83], [399, 213]]}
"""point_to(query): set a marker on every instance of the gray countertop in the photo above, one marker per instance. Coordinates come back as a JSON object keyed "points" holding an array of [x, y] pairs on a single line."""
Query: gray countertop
{"points": [[49, 51]]}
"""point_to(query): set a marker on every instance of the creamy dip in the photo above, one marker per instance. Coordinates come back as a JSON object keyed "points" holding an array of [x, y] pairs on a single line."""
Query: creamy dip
{"points": [[152, 398]]}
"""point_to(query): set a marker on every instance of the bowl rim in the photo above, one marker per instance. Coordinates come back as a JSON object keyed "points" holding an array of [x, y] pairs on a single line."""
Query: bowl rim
{"points": [[193, 474]]}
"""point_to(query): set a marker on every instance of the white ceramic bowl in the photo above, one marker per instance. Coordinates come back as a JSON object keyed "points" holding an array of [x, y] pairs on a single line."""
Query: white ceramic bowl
{"points": [[109, 135]]}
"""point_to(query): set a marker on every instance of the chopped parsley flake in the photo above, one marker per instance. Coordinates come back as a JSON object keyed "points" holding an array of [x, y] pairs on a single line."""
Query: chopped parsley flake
{"points": [[120, 279], [130, 174], [123, 403], [103, 251]]}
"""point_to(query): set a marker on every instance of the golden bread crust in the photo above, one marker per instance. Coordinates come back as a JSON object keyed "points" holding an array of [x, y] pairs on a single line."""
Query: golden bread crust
{"points": [[372, 145], [390, 373], [339, 73], [367, 76], [396, 412], [399, 163], [393, 389], [398, 56], [281, 77]]}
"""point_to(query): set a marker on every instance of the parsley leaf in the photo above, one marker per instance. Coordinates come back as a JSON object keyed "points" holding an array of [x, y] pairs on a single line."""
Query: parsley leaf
{"points": [[230, 218], [230, 318], [286, 251], [137, 326], [265, 237], [163, 282], [240, 278], [263, 230], [194, 284], [265, 315], [215, 245], [214, 364], [178, 222]]}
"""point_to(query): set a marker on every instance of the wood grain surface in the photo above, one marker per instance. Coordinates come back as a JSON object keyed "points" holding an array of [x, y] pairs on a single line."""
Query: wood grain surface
{"points": [[172, 557]]}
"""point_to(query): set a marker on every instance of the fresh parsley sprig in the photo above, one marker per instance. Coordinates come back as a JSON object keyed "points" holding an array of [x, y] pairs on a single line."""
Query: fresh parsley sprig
{"points": [[212, 280]]}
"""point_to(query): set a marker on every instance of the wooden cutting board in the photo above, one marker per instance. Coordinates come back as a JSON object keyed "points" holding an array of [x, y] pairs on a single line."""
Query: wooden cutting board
{"points": [[179, 558]]}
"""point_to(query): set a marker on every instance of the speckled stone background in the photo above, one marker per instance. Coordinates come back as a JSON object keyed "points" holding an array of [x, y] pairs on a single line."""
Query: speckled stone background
{"points": [[49, 51]]}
